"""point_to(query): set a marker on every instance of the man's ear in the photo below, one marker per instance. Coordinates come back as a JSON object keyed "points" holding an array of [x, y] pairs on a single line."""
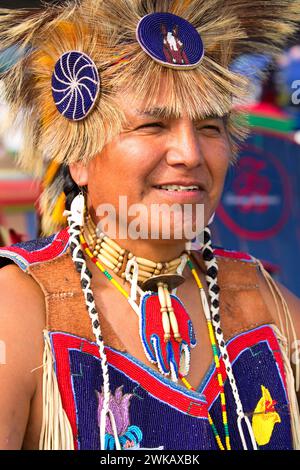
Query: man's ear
{"points": [[79, 173]]}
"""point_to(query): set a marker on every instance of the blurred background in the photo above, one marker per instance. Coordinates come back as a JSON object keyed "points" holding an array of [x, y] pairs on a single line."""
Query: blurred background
{"points": [[260, 208]]}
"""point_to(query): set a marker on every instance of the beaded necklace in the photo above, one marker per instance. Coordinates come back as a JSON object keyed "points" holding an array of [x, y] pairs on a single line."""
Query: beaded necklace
{"points": [[116, 258], [205, 305]]}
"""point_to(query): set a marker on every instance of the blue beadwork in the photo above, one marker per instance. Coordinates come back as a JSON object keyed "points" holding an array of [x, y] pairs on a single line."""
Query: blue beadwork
{"points": [[75, 85], [170, 40]]}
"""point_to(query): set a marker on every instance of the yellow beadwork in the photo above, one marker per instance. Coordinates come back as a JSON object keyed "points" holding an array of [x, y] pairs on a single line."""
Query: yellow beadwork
{"points": [[212, 339]]}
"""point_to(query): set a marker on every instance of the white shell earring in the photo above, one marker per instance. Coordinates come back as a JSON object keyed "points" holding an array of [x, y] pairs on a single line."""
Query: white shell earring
{"points": [[76, 213]]}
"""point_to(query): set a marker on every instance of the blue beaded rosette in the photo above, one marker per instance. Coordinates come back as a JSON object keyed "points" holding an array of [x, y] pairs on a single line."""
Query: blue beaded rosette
{"points": [[75, 85], [170, 40]]}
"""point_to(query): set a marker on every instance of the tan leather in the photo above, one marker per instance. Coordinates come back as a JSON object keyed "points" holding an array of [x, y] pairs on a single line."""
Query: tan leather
{"points": [[241, 304], [65, 304]]}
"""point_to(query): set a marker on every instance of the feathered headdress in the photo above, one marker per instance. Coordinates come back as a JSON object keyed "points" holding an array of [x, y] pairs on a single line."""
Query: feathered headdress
{"points": [[105, 31]]}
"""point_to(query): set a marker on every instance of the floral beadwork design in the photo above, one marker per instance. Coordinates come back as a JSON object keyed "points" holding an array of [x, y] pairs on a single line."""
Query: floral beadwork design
{"points": [[119, 403], [264, 418]]}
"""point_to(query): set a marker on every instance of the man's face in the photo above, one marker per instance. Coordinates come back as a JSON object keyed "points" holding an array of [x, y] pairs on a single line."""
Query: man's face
{"points": [[152, 154]]}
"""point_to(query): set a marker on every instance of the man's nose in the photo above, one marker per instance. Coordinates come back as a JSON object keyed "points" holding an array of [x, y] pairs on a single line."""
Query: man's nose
{"points": [[184, 146]]}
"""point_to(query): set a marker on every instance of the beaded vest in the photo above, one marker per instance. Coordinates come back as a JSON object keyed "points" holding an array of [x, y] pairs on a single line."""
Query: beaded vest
{"points": [[151, 412]]}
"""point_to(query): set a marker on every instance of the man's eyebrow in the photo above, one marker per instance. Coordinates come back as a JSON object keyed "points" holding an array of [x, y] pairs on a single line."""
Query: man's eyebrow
{"points": [[211, 116], [154, 112]]}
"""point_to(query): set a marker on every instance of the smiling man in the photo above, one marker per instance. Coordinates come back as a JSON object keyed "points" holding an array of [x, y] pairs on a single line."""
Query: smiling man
{"points": [[140, 342]]}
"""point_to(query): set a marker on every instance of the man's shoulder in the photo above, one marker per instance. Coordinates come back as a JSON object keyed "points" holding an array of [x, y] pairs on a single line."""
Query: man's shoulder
{"points": [[35, 251], [234, 255], [228, 259], [237, 268]]}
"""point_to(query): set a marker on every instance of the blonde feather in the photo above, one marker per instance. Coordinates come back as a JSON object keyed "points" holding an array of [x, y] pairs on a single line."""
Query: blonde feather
{"points": [[106, 31]]}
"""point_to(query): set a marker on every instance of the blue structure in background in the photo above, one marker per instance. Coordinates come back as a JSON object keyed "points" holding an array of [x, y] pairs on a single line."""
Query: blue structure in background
{"points": [[260, 207]]}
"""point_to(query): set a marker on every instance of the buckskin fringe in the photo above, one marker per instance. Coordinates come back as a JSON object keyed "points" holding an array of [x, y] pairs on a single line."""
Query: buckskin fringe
{"points": [[290, 381], [56, 433]]}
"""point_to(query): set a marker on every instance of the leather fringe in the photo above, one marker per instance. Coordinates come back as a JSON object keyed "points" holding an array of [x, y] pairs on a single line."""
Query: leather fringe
{"points": [[56, 433], [290, 381], [286, 323]]}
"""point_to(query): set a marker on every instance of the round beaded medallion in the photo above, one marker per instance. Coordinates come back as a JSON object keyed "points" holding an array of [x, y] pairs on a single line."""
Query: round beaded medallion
{"points": [[170, 40], [75, 85]]}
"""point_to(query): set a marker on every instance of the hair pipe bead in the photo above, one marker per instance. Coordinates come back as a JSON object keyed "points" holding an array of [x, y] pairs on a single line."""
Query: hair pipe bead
{"points": [[170, 270], [146, 262], [143, 278], [106, 262], [166, 324], [112, 244], [175, 262], [108, 256], [144, 273], [161, 295], [174, 325], [109, 249], [147, 269]]}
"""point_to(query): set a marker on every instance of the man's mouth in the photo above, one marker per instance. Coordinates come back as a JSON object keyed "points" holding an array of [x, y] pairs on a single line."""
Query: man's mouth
{"points": [[178, 188]]}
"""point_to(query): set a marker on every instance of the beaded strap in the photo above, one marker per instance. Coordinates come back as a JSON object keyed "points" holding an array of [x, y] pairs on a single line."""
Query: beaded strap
{"points": [[217, 363], [85, 280], [214, 292]]}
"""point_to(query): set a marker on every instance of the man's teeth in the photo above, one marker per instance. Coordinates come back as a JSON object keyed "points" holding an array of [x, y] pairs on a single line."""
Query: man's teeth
{"points": [[173, 187]]}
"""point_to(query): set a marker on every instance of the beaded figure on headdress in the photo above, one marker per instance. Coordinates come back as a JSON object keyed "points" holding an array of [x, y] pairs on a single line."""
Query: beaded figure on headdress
{"points": [[77, 57]]}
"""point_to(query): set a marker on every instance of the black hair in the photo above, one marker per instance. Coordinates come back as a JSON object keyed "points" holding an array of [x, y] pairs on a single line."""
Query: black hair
{"points": [[71, 189]]}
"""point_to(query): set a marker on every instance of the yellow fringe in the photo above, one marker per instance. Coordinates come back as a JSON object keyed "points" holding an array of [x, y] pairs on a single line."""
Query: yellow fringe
{"points": [[51, 172], [290, 381], [56, 433], [57, 214]]}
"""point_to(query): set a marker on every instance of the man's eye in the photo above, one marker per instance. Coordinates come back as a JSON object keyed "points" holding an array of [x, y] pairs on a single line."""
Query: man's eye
{"points": [[150, 125], [211, 127]]}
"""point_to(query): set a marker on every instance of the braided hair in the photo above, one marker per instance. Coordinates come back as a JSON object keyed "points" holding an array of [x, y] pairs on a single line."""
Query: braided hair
{"points": [[214, 292], [72, 191]]}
